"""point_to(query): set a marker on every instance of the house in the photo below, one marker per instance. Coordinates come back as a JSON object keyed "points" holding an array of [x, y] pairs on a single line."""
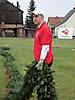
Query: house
{"points": [[11, 19], [54, 20], [68, 22]]}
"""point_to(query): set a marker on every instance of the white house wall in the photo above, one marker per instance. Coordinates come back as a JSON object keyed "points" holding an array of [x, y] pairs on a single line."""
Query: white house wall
{"points": [[69, 23]]}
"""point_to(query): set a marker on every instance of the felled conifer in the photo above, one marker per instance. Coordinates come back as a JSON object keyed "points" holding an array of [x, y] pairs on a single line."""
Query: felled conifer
{"points": [[39, 81]]}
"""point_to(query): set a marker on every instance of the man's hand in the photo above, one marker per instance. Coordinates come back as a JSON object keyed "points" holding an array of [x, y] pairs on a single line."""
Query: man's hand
{"points": [[39, 66]]}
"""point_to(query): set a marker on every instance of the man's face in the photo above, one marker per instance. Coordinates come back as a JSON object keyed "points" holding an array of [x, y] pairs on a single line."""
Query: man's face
{"points": [[37, 19]]}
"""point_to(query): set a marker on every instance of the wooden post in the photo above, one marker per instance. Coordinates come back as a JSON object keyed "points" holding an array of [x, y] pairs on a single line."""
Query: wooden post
{"points": [[2, 25], [7, 79]]}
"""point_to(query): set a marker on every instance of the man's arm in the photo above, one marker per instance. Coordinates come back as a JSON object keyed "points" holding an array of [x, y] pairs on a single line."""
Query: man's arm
{"points": [[44, 51]]}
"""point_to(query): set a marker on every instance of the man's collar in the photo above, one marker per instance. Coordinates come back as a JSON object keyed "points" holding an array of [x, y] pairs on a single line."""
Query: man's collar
{"points": [[40, 25]]}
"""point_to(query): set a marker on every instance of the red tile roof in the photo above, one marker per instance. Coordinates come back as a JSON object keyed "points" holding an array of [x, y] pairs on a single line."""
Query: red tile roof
{"points": [[54, 20]]}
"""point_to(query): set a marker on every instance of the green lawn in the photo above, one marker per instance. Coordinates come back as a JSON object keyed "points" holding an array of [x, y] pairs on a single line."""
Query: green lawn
{"points": [[64, 63]]}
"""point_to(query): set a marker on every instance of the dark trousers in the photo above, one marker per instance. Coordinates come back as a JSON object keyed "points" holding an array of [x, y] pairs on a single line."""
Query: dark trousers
{"points": [[50, 64]]}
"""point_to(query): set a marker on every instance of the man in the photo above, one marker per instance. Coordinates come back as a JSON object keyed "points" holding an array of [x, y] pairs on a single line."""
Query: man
{"points": [[42, 80], [42, 40]]}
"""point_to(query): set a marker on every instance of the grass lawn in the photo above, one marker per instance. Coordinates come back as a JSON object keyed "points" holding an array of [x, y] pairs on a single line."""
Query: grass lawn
{"points": [[64, 63]]}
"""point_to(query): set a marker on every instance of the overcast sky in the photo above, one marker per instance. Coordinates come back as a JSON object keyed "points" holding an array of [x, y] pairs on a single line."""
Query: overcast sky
{"points": [[51, 8]]}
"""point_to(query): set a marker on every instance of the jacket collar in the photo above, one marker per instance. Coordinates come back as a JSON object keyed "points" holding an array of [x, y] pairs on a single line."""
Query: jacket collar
{"points": [[40, 24]]}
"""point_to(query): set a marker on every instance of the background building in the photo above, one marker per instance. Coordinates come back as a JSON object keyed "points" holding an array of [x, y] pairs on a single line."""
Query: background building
{"points": [[11, 19], [68, 22]]}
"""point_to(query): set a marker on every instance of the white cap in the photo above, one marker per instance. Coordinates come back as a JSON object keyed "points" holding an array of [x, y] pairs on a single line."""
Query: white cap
{"points": [[38, 11]]}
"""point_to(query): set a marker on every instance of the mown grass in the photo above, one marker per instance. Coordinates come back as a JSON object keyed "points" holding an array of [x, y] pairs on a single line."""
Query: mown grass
{"points": [[63, 64]]}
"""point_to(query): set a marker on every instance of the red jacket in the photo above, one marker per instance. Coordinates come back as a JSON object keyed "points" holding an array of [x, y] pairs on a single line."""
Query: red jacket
{"points": [[43, 36]]}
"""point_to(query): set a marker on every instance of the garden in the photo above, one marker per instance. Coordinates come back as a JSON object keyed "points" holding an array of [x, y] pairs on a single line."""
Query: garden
{"points": [[63, 64]]}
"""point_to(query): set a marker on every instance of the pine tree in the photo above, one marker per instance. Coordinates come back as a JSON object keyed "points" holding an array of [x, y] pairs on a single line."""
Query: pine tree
{"points": [[29, 19]]}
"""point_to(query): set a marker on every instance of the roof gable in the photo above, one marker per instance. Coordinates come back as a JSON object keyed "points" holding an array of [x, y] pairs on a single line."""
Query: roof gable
{"points": [[65, 18], [10, 14], [14, 7], [6, 5], [54, 20]]}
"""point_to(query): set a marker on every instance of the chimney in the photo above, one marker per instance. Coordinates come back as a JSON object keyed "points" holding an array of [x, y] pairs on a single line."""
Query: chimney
{"points": [[56, 17], [18, 6], [73, 8]]}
